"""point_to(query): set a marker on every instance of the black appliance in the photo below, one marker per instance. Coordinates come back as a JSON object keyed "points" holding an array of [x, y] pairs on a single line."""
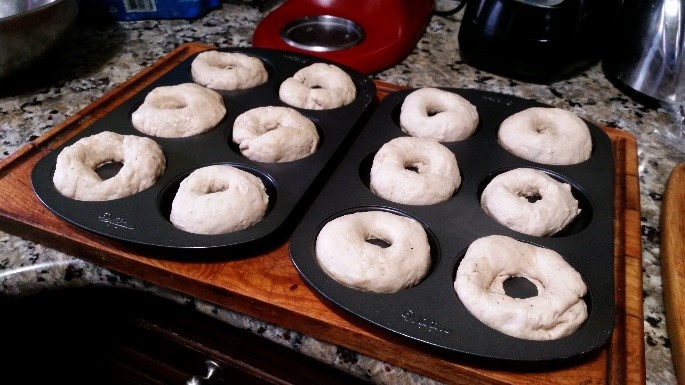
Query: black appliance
{"points": [[535, 40]]}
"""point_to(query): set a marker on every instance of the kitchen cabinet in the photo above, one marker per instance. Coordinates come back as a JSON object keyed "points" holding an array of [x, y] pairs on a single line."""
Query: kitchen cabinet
{"points": [[100, 335]]}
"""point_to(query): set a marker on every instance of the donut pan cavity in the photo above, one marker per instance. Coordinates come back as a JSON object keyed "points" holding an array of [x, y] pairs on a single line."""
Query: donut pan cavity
{"points": [[142, 219], [431, 313]]}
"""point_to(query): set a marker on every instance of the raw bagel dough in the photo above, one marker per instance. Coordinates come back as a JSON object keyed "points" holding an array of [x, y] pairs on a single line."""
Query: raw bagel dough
{"points": [[558, 309], [414, 171], [218, 199], [344, 253], [505, 199], [319, 86], [546, 135], [75, 171], [179, 111], [438, 114], [228, 70], [275, 134]]}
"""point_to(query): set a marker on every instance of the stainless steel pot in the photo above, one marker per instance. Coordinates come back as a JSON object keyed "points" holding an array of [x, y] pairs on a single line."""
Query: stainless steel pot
{"points": [[646, 60], [30, 29], [647, 52]]}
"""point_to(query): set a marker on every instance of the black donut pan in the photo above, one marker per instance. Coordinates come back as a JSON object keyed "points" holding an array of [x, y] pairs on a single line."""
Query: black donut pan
{"points": [[142, 219], [431, 313]]}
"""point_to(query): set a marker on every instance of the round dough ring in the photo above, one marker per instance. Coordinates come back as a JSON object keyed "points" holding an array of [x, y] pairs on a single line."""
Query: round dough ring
{"points": [[75, 170], [319, 86], [228, 70], [179, 111], [435, 180], [546, 135], [557, 311], [344, 253], [438, 114], [218, 199], [505, 199], [275, 134]]}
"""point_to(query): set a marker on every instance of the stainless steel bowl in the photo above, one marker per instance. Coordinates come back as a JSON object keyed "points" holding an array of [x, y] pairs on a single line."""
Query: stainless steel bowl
{"points": [[30, 29]]}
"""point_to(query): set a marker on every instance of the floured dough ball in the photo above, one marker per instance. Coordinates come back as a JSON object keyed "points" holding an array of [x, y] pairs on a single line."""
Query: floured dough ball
{"points": [[275, 134], [76, 174], [546, 135], [556, 311], [438, 114], [414, 171], [319, 86], [346, 251], [179, 111], [530, 201], [228, 71], [219, 199]]}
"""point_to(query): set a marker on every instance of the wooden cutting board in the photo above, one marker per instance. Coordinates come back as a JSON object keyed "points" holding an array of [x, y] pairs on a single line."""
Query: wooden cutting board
{"points": [[673, 265], [268, 287]]}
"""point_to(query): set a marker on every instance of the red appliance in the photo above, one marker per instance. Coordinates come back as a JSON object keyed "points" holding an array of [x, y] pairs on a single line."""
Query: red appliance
{"points": [[366, 35]]}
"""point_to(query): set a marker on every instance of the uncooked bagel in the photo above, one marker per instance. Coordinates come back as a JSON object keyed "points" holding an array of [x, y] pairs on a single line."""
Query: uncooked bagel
{"points": [[218, 199], [556, 311], [228, 70], [344, 252], [546, 135], [414, 171], [506, 199], [319, 86], [75, 171], [179, 111], [438, 114], [275, 134]]}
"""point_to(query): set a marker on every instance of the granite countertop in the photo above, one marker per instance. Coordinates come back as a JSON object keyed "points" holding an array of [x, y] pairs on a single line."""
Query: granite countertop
{"points": [[98, 56]]}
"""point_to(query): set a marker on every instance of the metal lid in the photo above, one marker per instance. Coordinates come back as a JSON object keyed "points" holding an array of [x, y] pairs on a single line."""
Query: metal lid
{"points": [[322, 33]]}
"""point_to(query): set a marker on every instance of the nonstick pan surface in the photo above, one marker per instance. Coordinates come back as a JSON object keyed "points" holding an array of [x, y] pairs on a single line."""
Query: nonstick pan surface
{"points": [[431, 313], [142, 219]]}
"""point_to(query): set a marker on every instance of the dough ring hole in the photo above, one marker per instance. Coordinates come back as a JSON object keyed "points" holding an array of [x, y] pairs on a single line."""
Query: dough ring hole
{"points": [[382, 243], [215, 187], [433, 110], [108, 170], [170, 103], [413, 167], [533, 195], [542, 127], [519, 287]]}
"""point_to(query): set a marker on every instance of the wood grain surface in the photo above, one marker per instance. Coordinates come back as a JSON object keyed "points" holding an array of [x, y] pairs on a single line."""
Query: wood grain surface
{"points": [[267, 286], [673, 265]]}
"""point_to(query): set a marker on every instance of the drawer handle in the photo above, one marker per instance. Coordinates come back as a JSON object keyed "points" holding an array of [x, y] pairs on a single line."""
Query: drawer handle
{"points": [[214, 375]]}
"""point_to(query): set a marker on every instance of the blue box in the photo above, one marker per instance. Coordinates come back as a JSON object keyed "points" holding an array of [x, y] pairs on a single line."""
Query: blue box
{"points": [[148, 9]]}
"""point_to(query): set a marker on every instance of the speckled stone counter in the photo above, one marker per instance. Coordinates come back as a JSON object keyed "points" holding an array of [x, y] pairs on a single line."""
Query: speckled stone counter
{"points": [[99, 56]]}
